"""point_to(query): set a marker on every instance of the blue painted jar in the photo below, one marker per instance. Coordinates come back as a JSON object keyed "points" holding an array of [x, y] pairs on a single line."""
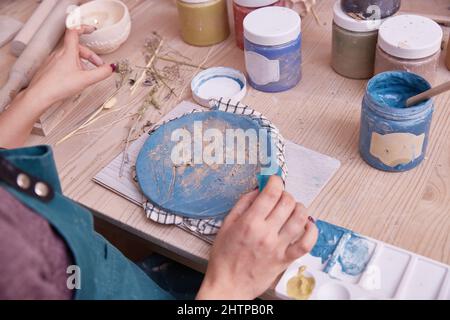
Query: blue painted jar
{"points": [[273, 48], [392, 136]]}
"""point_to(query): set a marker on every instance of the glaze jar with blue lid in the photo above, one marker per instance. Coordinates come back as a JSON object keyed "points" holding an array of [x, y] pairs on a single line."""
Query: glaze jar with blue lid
{"points": [[371, 9], [272, 42], [392, 136]]}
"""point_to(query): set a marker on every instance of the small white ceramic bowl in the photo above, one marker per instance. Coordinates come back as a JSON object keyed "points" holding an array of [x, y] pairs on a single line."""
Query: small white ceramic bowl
{"points": [[112, 19]]}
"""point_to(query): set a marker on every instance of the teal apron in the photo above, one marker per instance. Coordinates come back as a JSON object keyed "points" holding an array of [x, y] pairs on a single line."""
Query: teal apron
{"points": [[105, 272]]}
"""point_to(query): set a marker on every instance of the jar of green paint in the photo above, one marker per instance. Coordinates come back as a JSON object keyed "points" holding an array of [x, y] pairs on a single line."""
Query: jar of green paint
{"points": [[354, 44]]}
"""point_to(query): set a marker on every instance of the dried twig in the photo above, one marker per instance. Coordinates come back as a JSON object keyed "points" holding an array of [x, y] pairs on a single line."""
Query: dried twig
{"points": [[149, 64], [149, 101]]}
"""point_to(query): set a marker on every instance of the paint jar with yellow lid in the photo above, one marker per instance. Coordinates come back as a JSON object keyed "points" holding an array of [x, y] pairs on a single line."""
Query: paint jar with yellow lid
{"points": [[203, 22]]}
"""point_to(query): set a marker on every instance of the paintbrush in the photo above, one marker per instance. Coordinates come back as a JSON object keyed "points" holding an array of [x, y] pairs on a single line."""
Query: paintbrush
{"points": [[428, 94]]}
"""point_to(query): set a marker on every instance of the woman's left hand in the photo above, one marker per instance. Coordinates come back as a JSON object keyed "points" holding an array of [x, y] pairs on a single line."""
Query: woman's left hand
{"points": [[64, 74]]}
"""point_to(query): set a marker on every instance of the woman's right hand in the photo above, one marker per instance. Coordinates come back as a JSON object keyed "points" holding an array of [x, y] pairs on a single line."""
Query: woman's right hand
{"points": [[263, 234]]}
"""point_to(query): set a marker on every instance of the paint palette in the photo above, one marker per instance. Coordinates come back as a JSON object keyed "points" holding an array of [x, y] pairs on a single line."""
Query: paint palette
{"points": [[346, 266]]}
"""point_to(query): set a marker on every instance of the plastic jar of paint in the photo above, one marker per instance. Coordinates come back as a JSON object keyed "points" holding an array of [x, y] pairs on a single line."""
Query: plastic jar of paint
{"points": [[371, 9], [241, 8], [354, 43], [392, 136], [272, 42], [203, 22], [411, 43]]}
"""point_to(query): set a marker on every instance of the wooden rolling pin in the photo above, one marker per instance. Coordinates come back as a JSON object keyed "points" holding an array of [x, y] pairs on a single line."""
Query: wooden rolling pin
{"points": [[39, 48], [428, 94], [30, 28]]}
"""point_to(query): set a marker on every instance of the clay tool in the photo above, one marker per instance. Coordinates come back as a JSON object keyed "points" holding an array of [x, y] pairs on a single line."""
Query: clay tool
{"points": [[8, 29], [337, 252], [30, 28], [36, 52], [428, 94]]}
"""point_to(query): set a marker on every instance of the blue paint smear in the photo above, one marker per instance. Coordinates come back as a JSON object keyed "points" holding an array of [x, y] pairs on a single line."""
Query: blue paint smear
{"points": [[354, 257]]}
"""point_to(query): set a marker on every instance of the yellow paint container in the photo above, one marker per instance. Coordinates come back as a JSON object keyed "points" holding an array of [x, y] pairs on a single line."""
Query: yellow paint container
{"points": [[203, 22]]}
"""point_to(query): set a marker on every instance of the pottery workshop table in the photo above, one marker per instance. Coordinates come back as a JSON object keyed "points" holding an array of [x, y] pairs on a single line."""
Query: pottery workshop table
{"points": [[410, 210]]}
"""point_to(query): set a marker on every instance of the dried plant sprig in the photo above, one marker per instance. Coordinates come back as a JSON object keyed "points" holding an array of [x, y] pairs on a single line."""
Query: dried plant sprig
{"points": [[149, 64], [150, 100], [124, 71]]}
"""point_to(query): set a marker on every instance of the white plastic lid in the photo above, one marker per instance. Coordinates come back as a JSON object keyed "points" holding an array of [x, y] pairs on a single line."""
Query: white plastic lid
{"points": [[272, 26], [218, 82], [254, 3], [410, 37], [195, 1], [344, 21]]}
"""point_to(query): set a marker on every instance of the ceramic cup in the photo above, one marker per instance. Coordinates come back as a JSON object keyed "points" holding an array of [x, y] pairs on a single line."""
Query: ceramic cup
{"points": [[110, 17]]}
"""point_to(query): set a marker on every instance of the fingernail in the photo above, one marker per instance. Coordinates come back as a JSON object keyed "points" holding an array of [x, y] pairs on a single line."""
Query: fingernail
{"points": [[311, 219], [97, 60], [113, 67]]}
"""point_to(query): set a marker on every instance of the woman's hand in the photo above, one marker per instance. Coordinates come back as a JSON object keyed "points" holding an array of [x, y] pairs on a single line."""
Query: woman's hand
{"points": [[262, 235], [63, 75]]}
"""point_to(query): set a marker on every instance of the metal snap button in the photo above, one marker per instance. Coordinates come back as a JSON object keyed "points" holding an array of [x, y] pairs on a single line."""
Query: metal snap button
{"points": [[23, 181], [41, 189]]}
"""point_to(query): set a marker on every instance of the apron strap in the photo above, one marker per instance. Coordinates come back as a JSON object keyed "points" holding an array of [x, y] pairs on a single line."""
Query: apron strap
{"points": [[24, 182]]}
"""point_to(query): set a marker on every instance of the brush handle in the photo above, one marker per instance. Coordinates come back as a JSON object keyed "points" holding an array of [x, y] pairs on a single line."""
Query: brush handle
{"points": [[428, 94], [40, 47]]}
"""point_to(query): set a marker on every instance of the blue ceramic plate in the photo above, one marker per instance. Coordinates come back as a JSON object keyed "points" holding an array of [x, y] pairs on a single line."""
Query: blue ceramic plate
{"points": [[194, 190]]}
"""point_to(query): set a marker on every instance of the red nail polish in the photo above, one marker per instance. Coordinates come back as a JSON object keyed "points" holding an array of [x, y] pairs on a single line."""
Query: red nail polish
{"points": [[311, 219], [113, 67]]}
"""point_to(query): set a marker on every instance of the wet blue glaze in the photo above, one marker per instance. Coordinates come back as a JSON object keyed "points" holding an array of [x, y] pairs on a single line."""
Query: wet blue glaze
{"points": [[352, 253], [290, 60], [200, 190], [384, 112]]}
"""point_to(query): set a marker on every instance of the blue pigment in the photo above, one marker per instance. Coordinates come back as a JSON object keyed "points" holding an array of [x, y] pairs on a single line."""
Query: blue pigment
{"points": [[352, 259]]}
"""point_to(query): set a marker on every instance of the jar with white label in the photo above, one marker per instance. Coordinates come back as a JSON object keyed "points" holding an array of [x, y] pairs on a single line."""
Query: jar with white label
{"points": [[410, 43], [394, 137], [354, 43], [273, 48]]}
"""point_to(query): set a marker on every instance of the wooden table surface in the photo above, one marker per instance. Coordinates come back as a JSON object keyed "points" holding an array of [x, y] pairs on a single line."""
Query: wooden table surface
{"points": [[410, 210]]}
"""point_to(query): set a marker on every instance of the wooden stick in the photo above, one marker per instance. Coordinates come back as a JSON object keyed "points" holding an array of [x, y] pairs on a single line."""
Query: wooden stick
{"points": [[428, 94], [40, 47], [30, 28]]}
